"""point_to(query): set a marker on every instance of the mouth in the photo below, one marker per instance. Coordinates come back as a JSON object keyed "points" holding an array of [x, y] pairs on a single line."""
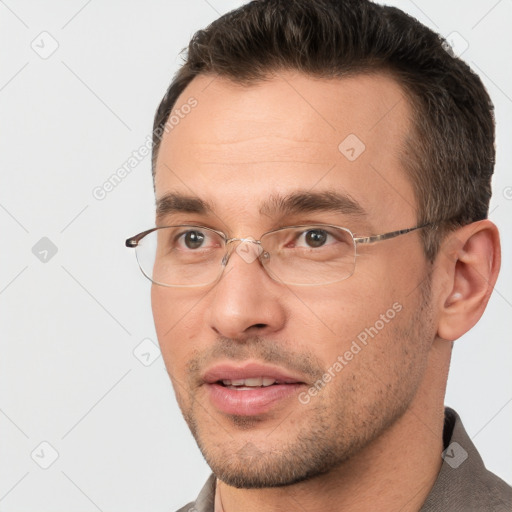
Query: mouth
{"points": [[250, 383], [250, 389]]}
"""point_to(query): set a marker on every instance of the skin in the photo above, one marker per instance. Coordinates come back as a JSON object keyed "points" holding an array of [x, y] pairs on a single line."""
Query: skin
{"points": [[372, 438]]}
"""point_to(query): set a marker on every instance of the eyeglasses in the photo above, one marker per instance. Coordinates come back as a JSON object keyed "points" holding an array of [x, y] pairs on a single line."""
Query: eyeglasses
{"points": [[310, 255]]}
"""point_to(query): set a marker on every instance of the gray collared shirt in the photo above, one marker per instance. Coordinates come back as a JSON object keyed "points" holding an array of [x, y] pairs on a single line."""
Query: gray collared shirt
{"points": [[463, 483]]}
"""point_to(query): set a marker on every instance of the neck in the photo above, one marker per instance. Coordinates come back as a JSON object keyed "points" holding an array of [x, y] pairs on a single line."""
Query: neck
{"points": [[394, 472]]}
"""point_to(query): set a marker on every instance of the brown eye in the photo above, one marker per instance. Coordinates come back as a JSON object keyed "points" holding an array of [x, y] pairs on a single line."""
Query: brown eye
{"points": [[193, 239], [315, 237]]}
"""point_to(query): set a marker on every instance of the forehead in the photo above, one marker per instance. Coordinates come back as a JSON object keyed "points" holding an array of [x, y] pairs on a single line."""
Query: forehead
{"points": [[241, 144]]}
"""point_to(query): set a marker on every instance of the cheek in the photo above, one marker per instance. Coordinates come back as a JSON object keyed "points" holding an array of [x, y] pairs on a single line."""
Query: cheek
{"points": [[342, 309], [348, 317], [177, 323]]}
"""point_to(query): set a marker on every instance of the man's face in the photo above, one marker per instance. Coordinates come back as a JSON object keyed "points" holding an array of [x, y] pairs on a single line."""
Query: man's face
{"points": [[348, 357]]}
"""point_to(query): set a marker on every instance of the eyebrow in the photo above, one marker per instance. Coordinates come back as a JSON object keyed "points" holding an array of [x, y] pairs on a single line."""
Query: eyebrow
{"points": [[174, 202], [308, 202], [290, 204]]}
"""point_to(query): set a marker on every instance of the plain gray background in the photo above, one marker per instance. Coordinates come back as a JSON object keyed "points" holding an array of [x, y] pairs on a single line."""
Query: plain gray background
{"points": [[79, 368]]}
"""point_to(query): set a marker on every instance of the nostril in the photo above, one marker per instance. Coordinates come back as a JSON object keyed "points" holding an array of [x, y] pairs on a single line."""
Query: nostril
{"points": [[260, 326]]}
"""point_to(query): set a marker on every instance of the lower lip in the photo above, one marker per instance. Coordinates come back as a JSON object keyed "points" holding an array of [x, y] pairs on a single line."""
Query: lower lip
{"points": [[250, 402]]}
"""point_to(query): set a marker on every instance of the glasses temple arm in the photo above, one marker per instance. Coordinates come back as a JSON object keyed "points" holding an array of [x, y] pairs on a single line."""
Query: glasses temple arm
{"points": [[386, 236]]}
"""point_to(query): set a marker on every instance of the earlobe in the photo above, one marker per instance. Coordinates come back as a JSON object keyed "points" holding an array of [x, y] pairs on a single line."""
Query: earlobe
{"points": [[471, 269]]}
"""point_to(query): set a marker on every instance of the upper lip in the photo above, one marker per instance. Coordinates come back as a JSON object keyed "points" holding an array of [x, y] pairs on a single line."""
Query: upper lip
{"points": [[230, 371]]}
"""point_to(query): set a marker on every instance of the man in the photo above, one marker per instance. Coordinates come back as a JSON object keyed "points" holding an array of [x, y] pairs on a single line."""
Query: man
{"points": [[322, 174]]}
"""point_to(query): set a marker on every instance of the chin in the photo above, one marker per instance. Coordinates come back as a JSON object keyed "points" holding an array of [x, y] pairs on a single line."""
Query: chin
{"points": [[253, 467]]}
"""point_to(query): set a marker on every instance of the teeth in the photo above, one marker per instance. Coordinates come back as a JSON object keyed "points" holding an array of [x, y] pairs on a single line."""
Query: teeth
{"points": [[252, 382]]}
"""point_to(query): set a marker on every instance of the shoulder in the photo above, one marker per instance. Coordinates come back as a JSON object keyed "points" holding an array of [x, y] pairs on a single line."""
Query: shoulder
{"points": [[191, 507], [205, 500], [464, 483]]}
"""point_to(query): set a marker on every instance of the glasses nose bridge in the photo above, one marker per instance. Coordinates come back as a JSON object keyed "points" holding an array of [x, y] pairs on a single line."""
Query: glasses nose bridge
{"points": [[230, 246], [245, 239]]}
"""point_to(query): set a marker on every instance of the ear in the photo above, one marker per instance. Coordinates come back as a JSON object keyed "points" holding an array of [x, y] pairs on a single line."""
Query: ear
{"points": [[472, 257]]}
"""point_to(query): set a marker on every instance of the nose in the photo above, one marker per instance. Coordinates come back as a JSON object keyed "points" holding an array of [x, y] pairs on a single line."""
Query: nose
{"points": [[246, 301]]}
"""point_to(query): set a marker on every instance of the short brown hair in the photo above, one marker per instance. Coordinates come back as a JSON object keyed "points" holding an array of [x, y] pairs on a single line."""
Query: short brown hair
{"points": [[450, 155]]}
